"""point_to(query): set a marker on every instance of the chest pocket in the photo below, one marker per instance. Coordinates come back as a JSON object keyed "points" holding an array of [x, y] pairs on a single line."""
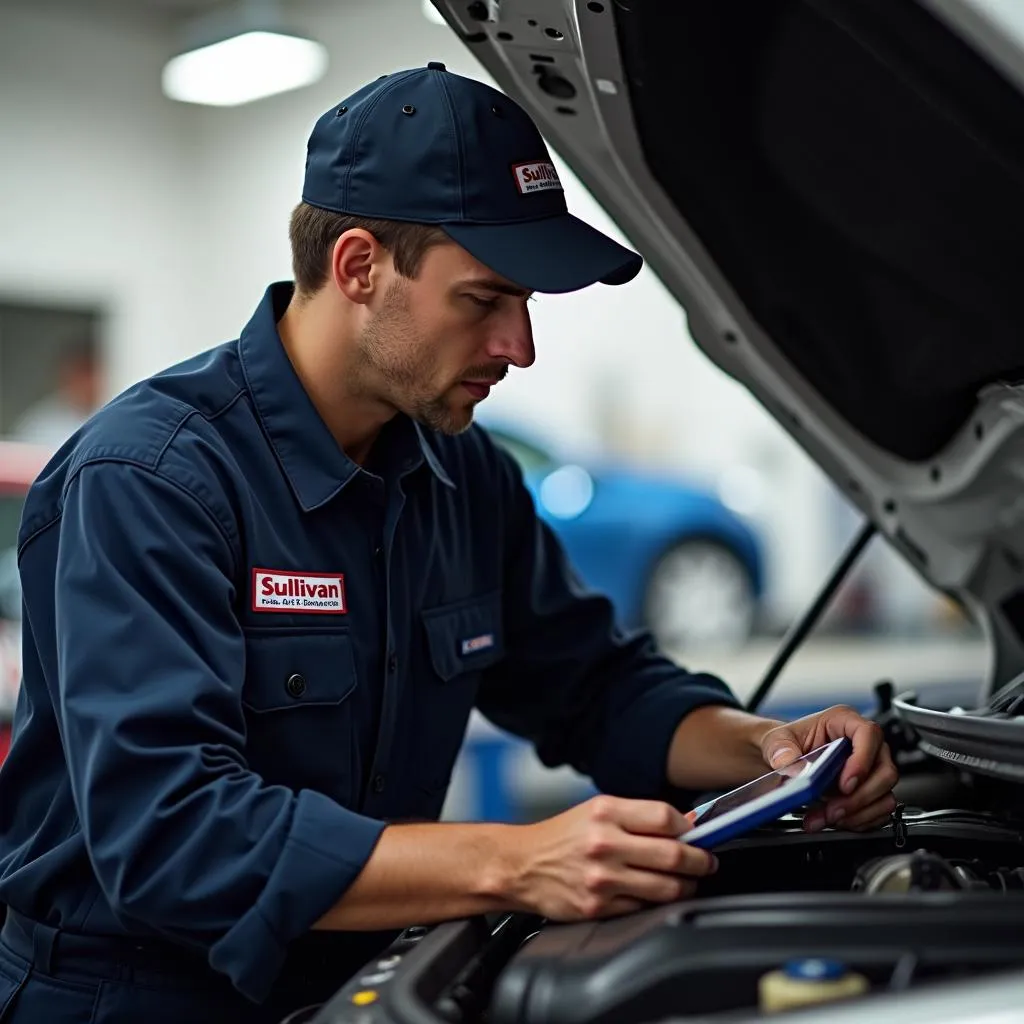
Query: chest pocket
{"points": [[462, 640], [298, 698]]}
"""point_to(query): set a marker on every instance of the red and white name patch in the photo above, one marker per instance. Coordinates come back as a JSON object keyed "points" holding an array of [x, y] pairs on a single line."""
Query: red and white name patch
{"points": [[278, 590], [538, 176]]}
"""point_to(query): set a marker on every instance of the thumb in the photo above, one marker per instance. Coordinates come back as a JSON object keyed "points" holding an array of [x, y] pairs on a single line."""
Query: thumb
{"points": [[781, 748]]}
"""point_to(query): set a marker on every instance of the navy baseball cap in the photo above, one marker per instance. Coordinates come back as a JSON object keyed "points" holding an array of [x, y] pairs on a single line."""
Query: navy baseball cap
{"points": [[431, 147]]}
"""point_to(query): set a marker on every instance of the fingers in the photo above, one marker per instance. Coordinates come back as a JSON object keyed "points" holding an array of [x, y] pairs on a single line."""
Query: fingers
{"points": [[781, 747], [620, 906], [606, 888], [641, 817], [652, 887], [669, 856], [630, 857], [871, 817], [867, 740], [642, 834], [869, 806], [874, 816], [806, 733], [878, 784]]}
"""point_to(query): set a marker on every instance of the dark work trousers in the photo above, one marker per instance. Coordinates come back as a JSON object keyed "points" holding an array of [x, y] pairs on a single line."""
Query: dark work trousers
{"points": [[54, 977]]}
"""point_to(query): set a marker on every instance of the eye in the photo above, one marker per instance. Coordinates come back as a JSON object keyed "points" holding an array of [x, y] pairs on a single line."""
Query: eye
{"points": [[483, 303]]}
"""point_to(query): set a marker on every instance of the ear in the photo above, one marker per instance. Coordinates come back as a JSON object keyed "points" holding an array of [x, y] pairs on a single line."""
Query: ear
{"points": [[356, 264]]}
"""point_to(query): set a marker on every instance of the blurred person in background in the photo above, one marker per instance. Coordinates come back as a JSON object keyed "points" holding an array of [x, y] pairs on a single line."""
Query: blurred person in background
{"points": [[265, 588], [54, 418]]}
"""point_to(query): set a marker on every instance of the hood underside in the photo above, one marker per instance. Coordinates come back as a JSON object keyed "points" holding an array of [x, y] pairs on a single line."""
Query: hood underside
{"points": [[834, 191]]}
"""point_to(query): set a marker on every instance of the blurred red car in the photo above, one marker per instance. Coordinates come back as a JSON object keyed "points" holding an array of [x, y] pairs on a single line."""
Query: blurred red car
{"points": [[20, 464]]}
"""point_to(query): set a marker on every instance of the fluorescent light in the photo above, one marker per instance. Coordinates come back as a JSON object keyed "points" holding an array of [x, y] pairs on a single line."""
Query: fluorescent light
{"points": [[244, 68]]}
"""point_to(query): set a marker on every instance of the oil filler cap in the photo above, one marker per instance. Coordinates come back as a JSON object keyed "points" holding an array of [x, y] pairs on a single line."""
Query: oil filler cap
{"points": [[807, 982]]}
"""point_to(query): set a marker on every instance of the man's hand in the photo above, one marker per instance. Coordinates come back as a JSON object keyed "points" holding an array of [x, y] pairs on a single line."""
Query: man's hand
{"points": [[608, 856], [867, 779], [605, 857]]}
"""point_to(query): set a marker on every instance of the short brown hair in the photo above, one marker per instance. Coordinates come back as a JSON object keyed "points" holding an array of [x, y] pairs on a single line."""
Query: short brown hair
{"points": [[314, 232]]}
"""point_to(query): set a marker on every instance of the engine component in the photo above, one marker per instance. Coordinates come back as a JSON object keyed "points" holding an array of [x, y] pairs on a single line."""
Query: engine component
{"points": [[708, 956], [922, 871], [919, 871], [899, 737], [712, 955], [808, 983]]}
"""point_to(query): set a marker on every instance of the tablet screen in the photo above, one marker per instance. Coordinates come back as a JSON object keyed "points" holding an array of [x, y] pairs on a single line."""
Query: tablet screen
{"points": [[706, 812]]}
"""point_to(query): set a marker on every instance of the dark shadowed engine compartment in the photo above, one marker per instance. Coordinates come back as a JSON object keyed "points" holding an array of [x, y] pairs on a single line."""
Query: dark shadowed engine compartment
{"points": [[934, 896]]}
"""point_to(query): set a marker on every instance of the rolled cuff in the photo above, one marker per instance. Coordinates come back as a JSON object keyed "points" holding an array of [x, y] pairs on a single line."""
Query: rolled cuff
{"points": [[326, 849], [633, 759]]}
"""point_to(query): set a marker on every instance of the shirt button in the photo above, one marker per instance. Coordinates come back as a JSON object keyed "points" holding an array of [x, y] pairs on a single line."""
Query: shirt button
{"points": [[392, 662], [296, 685], [378, 783], [378, 551]]}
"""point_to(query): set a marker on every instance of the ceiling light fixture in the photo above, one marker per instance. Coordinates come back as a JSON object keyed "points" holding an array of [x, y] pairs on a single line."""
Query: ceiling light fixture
{"points": [[240, 56]]}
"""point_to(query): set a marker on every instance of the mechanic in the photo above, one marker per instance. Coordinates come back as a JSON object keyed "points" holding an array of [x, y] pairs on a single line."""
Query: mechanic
{"points": [[264, 589]]}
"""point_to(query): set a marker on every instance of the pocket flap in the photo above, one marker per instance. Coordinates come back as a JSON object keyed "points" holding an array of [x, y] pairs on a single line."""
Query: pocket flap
{"points": [[285, 670], [466, 636]]}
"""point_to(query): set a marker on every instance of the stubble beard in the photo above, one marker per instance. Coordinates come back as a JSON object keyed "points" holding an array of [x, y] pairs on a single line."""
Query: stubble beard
{"points": [[396, 352]]}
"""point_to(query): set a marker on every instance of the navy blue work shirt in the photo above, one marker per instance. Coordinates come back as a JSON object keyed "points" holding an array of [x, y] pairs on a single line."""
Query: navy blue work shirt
{"points": [[244, 654]]}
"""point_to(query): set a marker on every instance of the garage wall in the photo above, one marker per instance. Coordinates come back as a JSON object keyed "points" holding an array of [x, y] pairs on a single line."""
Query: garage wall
{"points": [[174, 219], [95, 169]]}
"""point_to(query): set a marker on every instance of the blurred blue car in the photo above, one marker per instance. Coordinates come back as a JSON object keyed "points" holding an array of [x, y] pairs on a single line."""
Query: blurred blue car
{"points": [[671, 557]]}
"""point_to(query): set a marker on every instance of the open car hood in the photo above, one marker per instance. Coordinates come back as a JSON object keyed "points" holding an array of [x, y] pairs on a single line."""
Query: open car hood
{"points": [[834, 191]]}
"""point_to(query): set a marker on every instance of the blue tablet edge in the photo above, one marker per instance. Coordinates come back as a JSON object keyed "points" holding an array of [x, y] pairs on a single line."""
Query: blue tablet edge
{"points": [[766, 814]]}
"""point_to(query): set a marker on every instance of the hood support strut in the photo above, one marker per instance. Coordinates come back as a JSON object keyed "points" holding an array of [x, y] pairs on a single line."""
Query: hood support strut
{"points": [[807, 622]]}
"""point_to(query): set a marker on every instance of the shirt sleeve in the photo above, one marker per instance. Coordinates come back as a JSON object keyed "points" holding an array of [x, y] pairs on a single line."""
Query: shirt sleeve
{"points": [[184, 838], [584, 692]]}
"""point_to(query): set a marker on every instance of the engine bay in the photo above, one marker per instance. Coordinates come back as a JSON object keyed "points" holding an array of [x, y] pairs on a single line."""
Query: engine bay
{"points": [[917, 911], [936, 896], [947, 905]]}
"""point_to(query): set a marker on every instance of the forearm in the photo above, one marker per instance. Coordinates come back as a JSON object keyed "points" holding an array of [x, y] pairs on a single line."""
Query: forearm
{"points": [[717, 748], [422, 873]]}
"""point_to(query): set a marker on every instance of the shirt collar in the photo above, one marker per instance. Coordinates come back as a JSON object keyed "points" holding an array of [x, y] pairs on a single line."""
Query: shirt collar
{"points": [[315, 465], [431, 457]]}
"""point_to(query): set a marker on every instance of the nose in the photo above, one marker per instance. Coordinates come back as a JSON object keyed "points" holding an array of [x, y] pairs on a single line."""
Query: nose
{"points": [[512, 338]]}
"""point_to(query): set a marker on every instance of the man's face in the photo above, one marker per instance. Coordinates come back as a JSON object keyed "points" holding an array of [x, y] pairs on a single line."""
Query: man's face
{"points": [[436, 344]]}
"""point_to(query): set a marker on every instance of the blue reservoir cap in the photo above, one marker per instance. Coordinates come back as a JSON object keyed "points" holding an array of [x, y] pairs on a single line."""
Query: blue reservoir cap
{"points": [[815, 969]]}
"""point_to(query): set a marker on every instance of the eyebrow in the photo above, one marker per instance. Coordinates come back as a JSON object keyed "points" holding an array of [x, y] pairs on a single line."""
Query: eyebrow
{"points": [[494, 285]]}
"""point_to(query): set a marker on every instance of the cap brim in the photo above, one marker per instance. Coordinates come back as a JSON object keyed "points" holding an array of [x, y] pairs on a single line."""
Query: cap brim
{"points": [[556, 254]]}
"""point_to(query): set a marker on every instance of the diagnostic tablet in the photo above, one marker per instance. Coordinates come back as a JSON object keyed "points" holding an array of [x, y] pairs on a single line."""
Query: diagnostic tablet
{"points": [[767, 798]]}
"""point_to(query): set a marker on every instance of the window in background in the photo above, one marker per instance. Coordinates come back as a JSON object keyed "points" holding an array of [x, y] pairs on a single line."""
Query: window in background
{"points": [[51, 371]]}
